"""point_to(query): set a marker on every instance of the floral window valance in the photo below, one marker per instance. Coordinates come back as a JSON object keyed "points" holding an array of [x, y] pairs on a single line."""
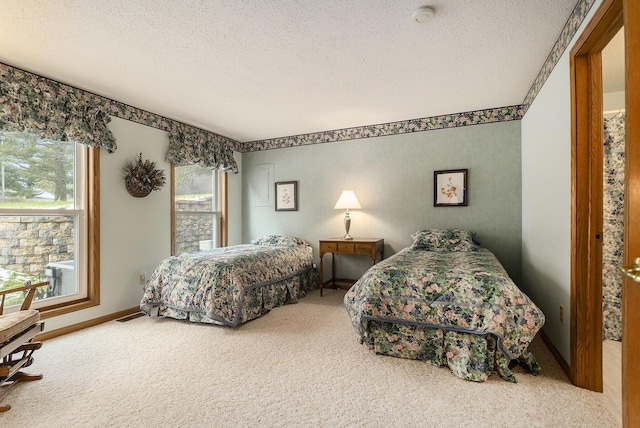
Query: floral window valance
{"points": [[52, 110], [193, 146], [55, 111]]}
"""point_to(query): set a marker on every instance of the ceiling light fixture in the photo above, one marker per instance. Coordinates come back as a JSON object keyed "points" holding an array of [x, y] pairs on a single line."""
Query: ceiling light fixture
{"points": [[422, 15]]}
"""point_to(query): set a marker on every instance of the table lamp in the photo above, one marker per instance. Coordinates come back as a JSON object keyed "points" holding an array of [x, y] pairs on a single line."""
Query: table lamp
{"points": [[347, 201]]}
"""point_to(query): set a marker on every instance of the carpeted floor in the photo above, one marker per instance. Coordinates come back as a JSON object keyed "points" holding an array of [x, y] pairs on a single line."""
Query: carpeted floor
{"points": [[299, 365]]}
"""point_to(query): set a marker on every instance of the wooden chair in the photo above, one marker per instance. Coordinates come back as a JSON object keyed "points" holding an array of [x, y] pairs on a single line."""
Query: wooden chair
{"points": [[17, 330]]}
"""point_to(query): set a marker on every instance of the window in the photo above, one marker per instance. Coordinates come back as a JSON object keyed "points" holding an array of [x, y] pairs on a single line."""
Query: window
{"points": [[45, 220], [198, 220]]}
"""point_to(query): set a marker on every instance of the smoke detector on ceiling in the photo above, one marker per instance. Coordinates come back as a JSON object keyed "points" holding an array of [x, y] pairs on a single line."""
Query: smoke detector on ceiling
{"points": [[422, 15]]}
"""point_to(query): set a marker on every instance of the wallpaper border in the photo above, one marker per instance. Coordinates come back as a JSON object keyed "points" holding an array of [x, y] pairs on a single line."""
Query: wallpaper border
{"points": [[570, 29], [499, 114]]}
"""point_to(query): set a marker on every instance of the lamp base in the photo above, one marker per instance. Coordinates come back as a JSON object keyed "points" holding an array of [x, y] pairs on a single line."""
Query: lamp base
{"points": [[347, 225]]}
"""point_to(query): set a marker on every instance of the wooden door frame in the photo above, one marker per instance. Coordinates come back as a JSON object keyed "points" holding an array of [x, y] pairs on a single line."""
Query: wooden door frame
{"points": [[586, 191], [586, 290]]}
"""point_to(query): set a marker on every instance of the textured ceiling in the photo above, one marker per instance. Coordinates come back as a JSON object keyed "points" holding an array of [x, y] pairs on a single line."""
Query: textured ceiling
{"points": [[257, 69]]}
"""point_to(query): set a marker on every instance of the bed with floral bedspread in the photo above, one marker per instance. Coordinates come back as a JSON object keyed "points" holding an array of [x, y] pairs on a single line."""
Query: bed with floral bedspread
{"points": [[231, 285], [448, 301]]}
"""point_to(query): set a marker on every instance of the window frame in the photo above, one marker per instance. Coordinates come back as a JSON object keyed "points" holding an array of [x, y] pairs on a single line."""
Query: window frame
{"points": [[87, 193], [223, 224], [87, 188]]}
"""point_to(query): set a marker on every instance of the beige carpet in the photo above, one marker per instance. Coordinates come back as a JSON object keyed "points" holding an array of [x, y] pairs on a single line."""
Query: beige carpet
{"points": [[299, 365]]}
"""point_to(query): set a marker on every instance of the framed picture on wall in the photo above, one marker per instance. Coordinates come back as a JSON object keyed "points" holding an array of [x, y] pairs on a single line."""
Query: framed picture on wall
{"points": [[287, 196], [450, 188]]}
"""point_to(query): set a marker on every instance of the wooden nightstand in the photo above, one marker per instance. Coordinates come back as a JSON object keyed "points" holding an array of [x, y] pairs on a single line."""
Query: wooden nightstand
{"points": [[366, 246]]}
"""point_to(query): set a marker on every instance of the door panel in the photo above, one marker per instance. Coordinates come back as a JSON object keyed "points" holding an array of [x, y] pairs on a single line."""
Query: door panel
{"points": [[631, 289]]}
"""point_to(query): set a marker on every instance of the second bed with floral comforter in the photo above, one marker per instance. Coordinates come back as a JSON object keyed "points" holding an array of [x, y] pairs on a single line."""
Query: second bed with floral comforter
{"points": [[448, 301], [231, 285]]}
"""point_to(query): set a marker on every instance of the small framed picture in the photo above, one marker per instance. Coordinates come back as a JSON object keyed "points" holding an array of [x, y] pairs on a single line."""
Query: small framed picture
{"points": [[450, 188], [287, 196]]}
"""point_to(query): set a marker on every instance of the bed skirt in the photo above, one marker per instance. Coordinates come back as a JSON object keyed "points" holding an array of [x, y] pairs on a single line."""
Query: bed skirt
{"points": [[253, 302], [469, 356]]}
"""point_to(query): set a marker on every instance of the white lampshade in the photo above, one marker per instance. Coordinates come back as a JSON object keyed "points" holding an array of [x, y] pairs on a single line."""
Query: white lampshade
{"points": [[348, 201]]}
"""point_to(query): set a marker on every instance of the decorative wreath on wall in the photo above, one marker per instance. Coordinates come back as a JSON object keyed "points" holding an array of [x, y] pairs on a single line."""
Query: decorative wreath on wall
{"points": [[142, 177]]}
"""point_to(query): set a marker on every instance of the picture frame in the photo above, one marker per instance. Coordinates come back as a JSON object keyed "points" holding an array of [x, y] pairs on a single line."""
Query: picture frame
{"points": [[450, 188], [287, 196]]}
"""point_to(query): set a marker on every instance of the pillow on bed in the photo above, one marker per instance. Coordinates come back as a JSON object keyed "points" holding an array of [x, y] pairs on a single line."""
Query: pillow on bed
{"points": [[444, 240], [280, 240]]}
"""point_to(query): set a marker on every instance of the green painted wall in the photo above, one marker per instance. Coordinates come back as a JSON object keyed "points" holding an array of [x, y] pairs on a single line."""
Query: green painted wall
{"points": [[393, 179]]}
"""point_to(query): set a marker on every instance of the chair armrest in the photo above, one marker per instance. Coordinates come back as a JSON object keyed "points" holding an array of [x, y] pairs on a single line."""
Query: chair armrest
{"points": [[26, 304]]}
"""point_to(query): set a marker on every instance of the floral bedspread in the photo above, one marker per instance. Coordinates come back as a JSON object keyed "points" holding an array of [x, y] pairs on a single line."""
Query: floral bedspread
{"points": [[460, 291], [228, 285]]}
